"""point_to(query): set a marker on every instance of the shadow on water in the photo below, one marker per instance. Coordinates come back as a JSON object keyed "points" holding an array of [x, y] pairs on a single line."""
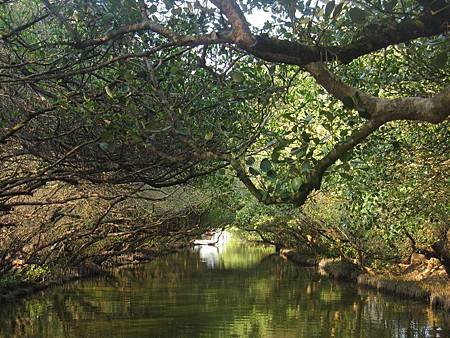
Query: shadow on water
{"points": [[232, 291]]}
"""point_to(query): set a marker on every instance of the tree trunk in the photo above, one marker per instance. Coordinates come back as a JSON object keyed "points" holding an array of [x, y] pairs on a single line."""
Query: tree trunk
{"points": [[443, 254], [442, 248]]}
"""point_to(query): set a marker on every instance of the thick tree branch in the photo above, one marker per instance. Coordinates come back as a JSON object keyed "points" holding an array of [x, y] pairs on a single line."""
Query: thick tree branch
{"points": [[313, 179], [373, 38], [434, 109], [381, 35], [241, 172], [240, 33]]}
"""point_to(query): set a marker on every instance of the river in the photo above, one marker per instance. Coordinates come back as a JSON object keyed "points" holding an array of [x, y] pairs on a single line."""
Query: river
{"points": [[237, 290]]}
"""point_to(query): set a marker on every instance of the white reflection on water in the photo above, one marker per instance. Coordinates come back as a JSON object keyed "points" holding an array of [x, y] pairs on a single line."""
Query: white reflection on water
{"points": [[209, 250], [208, 254]]}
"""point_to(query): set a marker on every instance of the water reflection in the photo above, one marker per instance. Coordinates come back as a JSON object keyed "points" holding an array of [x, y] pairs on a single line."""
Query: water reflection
{"points": [[234, 291], [230, 254], [208, 254]]}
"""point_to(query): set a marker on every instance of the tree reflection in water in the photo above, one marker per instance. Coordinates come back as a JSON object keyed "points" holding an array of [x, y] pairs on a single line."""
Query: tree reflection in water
{"points": [[235, 290]]}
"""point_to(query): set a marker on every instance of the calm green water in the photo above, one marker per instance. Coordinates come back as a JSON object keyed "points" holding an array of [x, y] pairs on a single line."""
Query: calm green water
{"points": [[240, 291]]}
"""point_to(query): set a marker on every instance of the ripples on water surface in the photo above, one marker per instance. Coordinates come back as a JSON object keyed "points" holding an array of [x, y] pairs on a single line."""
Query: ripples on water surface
{"points": [[237, 291]]}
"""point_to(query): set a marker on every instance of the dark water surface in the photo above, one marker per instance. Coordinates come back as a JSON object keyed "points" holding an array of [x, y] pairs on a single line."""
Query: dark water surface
{"points": [[238, 291]]}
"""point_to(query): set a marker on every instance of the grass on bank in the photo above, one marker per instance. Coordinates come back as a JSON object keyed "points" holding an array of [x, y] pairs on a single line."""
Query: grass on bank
{"points": [[415, 284], [31, 278], [437, 293]]}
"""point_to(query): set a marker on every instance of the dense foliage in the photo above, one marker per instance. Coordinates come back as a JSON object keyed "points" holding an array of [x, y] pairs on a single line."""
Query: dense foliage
{"points": [[111, 104]]}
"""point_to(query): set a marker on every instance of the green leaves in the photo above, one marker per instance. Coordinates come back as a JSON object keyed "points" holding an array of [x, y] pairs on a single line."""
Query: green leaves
{"points": [[299, 151], [209, 136], [253, 171], [338, 9], [306, 167], [237, 77], [103, 146], [389, 5], [177, 11], [346, 176], [441, 59], [271, 174], [265, 165], [329, 8], [250, 160], [109, 92], [296, 183], [358, 15]]}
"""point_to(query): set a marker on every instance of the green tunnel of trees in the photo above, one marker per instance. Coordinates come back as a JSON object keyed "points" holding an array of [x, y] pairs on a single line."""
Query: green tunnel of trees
{"points": [[130, 127]]}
